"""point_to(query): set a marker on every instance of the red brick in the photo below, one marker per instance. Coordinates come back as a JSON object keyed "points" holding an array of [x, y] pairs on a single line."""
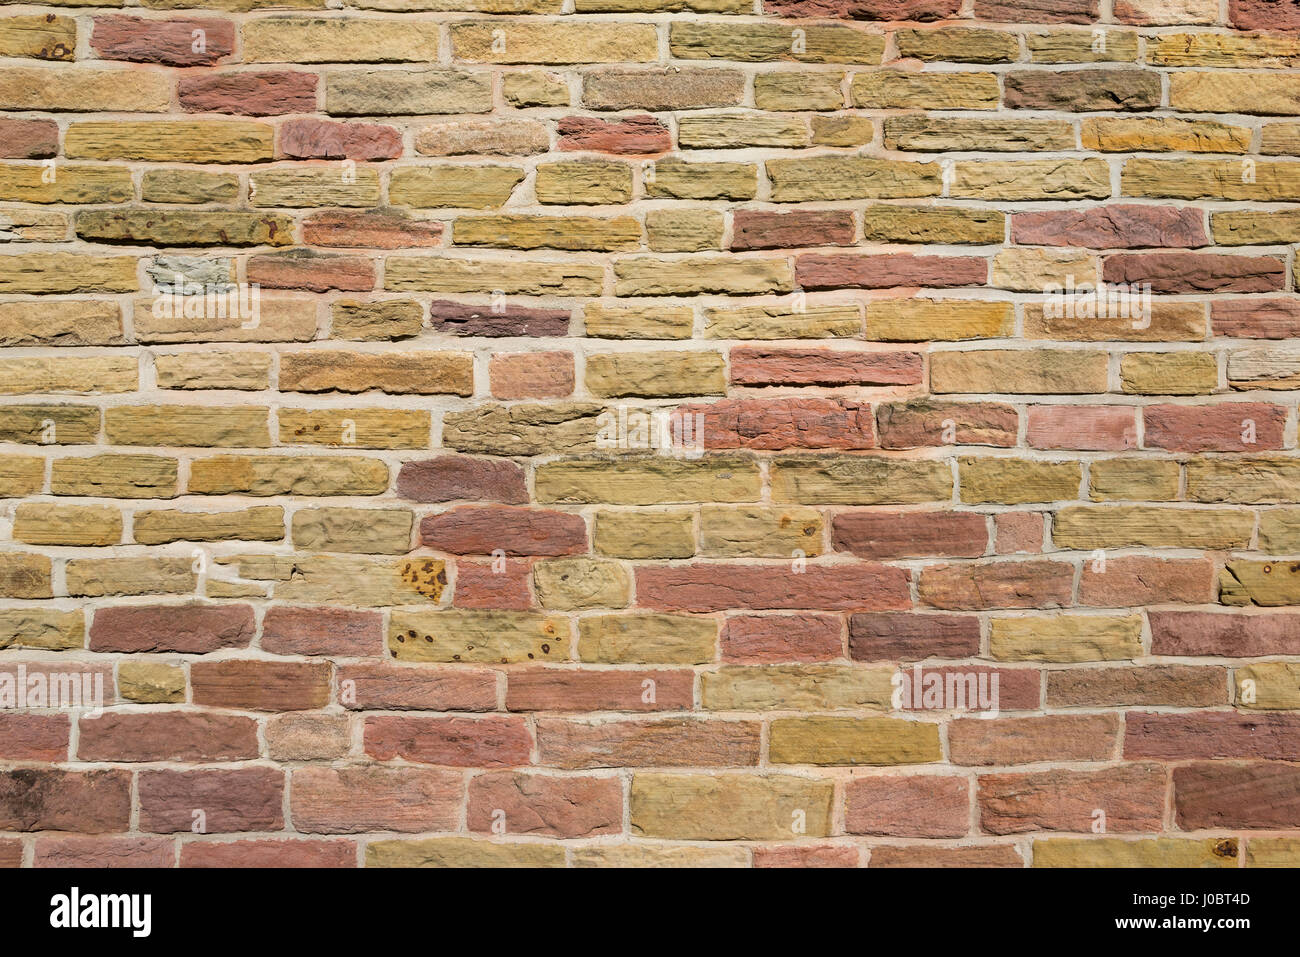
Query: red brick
{"points": [[1055, 737], [269, 853], [167, 736], [295, 736], [1273, 15], [913, 636], [1175, 686], [324, 630], [1222, 795], [28, 139], [1256, 318], [1172, 273], [1142, 580], [11, 853], [629, 136], [887, 271], [50, 799], [1234, 634], [889, 535], [865, 9], [1121, 226], [1212, 734], [1017, 689], [564, 689], [1214, 428], [261, 685], [499, 741], [721, 587], [449, 478], [762, 229], [531, 375], [397, 687], [774, 638], [311, 272], [332, 140], [169, 42], [34, 737], [370, 229], [927, 424], [354, 800], [1037, 11], [1008, 584], [919, 855], [914, 806], [538, 804], [244, 799], [762, 365], [1132, 797], [186, 629], [788, 423], [1018, 533], [1088, 428], [494, 584], [665, 742], [807, 855], [483, 529], [104, 852], [255, 93], [497, 320]]}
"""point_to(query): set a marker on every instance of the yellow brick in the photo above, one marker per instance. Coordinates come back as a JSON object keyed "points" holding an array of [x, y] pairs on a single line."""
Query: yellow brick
{"points": [[313, 186], [178, 141], [1269, 686], [356, 428], [1122, 134], [149, 682], [287, 475], [339, 40], [1008, 481], [1153, 852], [462, 852], [853, 741], [71, 183], [648, 481], [644, 276], [922, 320], [188, 425], [1019, 371], [1169, 373], [263, 523], [1015, 180], [1236, 91], [115, 476], [647, 639], [69, 374], [42, 628], [894, 89], [129, 90], [821, 178], [1146, 480], [66, 272], [50, 524], [464, 187], [509, 276], [860, 481], [729, 807], [1066, 638], [45, 37], [498, 637], [507, 41], [548, 232], [577, 583], [641, 534], [657, 374], [1122, 526], [797, 688], [757, 532]]}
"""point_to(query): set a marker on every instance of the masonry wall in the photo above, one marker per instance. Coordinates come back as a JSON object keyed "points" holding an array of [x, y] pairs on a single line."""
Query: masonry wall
{"points": [[635, 409]]}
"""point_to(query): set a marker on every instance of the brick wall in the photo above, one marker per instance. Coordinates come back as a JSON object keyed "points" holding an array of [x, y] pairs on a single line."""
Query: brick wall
{"points": [[632, 426]]}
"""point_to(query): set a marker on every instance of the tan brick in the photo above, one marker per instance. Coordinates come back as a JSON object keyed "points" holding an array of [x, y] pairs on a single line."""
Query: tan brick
{"points": [[729, 806], [52, 524], [1066, 638]]}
